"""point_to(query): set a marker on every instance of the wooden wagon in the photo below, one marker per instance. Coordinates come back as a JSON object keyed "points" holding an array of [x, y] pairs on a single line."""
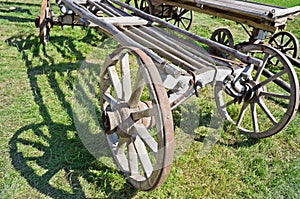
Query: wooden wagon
{"points": [[262, 20], [136, 99]]}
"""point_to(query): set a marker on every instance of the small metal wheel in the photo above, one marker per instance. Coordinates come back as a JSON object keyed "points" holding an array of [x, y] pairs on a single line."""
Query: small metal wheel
{"points": [[180, 17], [222, 36], [286, 42], [45, 22], [268, 96], [137, 118]]}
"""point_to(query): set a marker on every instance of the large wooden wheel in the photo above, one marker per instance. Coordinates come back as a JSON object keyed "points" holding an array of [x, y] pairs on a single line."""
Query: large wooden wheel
{"points": [[45, 22], [271, 96], [137, 118], [286, 42]]}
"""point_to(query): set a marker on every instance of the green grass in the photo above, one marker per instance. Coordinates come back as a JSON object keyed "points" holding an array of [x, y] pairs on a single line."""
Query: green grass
{"points": [[42, 156]]}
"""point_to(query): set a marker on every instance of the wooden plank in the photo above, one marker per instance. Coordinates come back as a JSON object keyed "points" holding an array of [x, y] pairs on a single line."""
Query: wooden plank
{"points": [[243, 7], [257, 21], [125, 21], [241, 56], [122, 21]]}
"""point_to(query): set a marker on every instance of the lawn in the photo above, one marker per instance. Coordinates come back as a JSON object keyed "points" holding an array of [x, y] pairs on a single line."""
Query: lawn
{"points": [[42, 154]]}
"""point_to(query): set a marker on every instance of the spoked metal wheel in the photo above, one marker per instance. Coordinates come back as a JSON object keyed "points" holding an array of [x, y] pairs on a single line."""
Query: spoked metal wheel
{"points": [[45, 22], [137, 118], [222, 36], [286, 42], [180, 17], [271, 95]]}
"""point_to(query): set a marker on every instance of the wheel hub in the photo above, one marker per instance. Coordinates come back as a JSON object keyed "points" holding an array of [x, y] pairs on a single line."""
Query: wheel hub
{"points": [[253, 90], [120, 118]]}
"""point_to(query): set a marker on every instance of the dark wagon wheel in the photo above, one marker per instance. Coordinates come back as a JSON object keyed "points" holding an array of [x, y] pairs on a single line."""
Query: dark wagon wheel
{"points": [[180, 17], [272, 96], [134, 3], [286, 42], [144, 5], [45, 22], [222, 36], [136, 117]]}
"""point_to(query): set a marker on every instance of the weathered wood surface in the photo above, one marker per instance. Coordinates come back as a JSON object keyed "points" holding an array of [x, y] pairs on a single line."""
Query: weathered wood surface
{"points": [[127, 36], [262, 16], [235, 53]]}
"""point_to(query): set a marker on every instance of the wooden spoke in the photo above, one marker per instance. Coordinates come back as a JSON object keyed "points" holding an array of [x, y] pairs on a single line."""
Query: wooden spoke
{"points": [[115, 81], [183, 24], [143, 156], [272, 78], [228, 103], [241, 114], [141, 114], [275, 95], [108, 98], [137, 90], [261, 68], [182, 12], [126, 78], [143, 133], [278, 81], [288, 49], [254, 117], [117, 145], [287, 42], [133, 160], [267, 111], [121, 145]]}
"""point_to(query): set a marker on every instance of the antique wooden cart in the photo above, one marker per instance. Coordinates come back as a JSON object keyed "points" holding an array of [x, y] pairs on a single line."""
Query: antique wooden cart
{"points": [[153, 71], [262, 20]]}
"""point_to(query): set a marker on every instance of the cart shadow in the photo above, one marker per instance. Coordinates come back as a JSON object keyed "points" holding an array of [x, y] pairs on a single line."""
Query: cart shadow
{"points": [[49, 154], [247, 142], [17, 19], [17, 8]]}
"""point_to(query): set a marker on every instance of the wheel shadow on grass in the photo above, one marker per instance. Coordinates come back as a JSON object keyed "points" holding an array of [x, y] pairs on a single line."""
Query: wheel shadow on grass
{"points": [[49, 154]]}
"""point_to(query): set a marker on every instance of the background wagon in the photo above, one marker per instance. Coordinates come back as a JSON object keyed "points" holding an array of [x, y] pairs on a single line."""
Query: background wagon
{"points": [[264, 22]]}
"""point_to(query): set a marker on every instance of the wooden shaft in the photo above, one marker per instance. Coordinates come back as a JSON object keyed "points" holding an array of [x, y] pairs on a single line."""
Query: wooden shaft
{"points": [[165, 53], [241, 56]]}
